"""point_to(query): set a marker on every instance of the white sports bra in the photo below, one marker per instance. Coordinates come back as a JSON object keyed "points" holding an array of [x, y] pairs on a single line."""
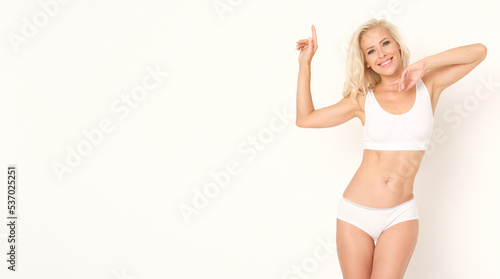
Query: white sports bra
{"points": [[408, 131]]}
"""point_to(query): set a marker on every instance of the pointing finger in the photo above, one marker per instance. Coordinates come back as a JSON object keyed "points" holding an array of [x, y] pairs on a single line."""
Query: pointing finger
{"points": [[314, 36]]}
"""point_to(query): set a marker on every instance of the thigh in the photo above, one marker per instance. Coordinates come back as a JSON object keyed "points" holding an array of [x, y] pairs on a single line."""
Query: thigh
{"points": [[394, 249], [355, 251]]}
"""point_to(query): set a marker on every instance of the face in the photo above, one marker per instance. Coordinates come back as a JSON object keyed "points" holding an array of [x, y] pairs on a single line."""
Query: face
{"points": [[381, 51]]}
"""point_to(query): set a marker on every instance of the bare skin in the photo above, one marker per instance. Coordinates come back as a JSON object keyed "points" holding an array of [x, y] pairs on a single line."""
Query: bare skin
{"points": [[384, 178]]}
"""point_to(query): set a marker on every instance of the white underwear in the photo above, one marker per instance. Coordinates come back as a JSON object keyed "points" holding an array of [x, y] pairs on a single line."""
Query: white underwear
{"points": [[375, 221]]}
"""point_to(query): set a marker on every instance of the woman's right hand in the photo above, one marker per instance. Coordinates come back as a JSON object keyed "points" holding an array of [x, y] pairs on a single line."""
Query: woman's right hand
{"points": [[307, 47]]}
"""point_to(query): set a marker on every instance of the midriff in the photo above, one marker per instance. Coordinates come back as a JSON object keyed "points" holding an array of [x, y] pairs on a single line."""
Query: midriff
{"points": [[384, 178]]}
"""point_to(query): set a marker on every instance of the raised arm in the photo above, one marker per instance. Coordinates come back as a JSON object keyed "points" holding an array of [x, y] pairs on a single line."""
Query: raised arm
{"points": [[307, 116], [330, 116], [441, 70], [446, 68]]}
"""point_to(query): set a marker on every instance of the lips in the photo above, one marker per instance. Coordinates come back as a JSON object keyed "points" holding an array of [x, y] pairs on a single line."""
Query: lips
{"points": [[388, 62]]}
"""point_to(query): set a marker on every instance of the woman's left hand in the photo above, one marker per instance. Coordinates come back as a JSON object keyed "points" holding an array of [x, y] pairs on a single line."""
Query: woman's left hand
{"points": [[410, 75]]}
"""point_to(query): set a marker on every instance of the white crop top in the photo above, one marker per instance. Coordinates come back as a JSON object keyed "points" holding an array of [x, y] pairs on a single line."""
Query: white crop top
{"points": [[408, 131]]}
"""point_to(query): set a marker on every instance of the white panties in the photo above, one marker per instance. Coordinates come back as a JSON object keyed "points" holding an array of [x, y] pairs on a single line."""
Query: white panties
{"points": [[374, 221]]}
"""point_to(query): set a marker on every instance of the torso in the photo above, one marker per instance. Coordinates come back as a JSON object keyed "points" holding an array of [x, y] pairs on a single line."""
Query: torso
{"points": [[385, 177]]}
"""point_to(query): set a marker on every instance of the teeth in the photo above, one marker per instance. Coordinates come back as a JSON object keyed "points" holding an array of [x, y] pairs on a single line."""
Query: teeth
{"points": [[386, 62]]}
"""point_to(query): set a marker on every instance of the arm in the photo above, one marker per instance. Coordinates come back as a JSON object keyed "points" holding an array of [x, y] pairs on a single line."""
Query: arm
{"points": [[308, 117], [446, 68], [304, 100]]}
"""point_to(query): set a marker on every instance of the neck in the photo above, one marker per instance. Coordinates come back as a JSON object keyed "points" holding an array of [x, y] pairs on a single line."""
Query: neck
{"points": [[385, 80]]}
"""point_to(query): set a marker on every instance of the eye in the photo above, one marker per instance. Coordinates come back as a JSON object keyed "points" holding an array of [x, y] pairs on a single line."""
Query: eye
{"points": [[386, 42], [370, 51]]}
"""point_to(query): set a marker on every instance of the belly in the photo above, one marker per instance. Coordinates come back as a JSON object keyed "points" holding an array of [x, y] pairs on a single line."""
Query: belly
{"points": [[384, 178]]}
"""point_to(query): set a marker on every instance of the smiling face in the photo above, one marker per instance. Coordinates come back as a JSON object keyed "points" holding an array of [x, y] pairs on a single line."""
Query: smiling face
{"points": [[381, 52]]}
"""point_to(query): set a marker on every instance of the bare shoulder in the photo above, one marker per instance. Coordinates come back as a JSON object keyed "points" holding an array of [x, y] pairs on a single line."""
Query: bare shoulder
{"points": [[348, 104]]}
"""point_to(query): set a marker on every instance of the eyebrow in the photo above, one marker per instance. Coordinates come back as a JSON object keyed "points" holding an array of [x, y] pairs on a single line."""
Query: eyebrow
{"points": [[372, 46]]}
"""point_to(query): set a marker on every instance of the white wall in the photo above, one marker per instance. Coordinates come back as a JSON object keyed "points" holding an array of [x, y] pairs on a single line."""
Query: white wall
{"points": [[232, 76]]}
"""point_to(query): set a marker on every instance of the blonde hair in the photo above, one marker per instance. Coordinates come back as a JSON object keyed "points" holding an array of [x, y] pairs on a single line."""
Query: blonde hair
{"points": [[360, 79]]}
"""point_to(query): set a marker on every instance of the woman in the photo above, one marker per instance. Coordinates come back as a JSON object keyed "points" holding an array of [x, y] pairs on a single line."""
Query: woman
{"points": [[377, 218]]}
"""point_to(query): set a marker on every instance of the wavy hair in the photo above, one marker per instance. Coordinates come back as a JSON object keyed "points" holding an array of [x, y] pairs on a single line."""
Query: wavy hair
{"points": [[360, 79]]}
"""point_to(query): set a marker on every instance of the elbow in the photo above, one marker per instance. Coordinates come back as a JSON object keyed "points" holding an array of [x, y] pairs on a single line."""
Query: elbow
{"points": [[301, 123], [299, 119], [303, 120], [483, 50]]}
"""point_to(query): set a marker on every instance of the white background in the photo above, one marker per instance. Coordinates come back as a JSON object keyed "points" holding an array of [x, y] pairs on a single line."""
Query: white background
{"points": [[230, 73]]}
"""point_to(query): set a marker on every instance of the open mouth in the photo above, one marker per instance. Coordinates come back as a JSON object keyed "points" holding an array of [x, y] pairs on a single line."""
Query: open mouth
{"points": [[386, 63]]}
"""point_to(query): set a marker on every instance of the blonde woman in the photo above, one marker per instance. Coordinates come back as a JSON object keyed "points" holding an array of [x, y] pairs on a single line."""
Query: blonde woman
{"points": [[377, 218]]}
